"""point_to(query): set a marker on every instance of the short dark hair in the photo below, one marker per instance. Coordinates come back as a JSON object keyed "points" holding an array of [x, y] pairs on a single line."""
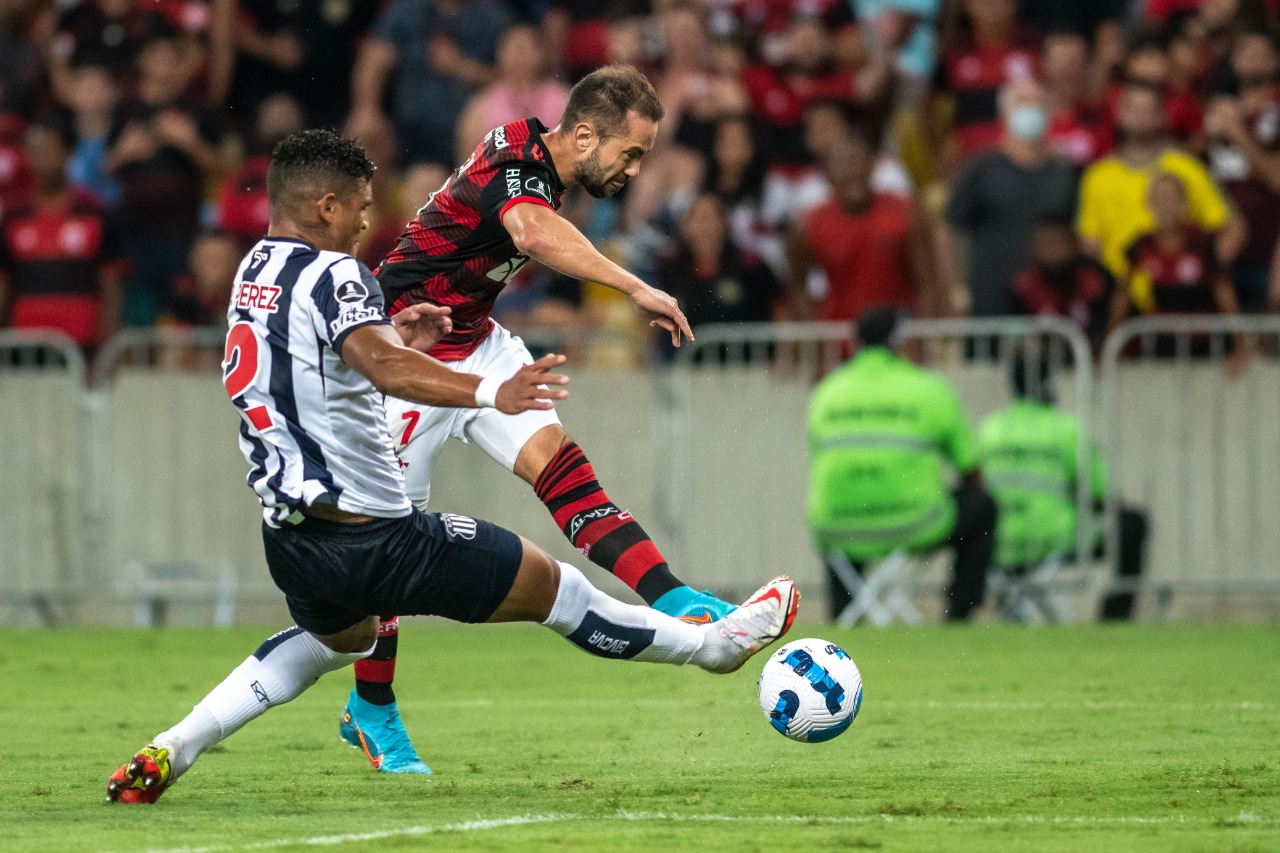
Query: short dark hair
{"points": [[606, 95], [308, 164], [1031, 376], [60, 125], [877, 326]]}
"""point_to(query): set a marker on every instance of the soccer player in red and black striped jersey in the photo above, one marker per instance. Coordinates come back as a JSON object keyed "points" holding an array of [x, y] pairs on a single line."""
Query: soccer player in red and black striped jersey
{"points": [[493, 215]]}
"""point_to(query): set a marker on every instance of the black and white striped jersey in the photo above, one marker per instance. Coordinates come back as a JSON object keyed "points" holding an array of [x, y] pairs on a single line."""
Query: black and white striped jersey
{"points": [[312, 429]]}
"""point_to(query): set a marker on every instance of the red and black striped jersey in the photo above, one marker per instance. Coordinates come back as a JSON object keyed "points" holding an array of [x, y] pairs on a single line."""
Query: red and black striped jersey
{"points": [[455, 252]]}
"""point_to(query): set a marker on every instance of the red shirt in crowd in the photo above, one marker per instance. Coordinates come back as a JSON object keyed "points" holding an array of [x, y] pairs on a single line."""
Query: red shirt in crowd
{"points": [[242, 200], [1180, 280], [974, 74], [53, 254], [1258, 205], [779, 98], [1080, 291], [1080, 135], [866, 256]]}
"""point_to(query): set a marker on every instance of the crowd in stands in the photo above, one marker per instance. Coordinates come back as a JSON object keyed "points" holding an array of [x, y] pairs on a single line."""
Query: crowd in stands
{"points": [[1088, 158]]}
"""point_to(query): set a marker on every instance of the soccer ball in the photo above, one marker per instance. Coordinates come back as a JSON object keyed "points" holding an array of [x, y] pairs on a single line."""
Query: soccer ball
{"points": [[810, 690]]}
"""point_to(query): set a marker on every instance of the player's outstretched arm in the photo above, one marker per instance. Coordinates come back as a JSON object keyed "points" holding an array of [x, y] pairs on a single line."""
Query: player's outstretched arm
{"points": [[377, 353], [551, 240]]}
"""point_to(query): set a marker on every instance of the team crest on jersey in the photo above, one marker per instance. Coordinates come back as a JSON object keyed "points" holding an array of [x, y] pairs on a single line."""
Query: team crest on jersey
{"points": [[538, 187], [459, 526], [351, 291]]}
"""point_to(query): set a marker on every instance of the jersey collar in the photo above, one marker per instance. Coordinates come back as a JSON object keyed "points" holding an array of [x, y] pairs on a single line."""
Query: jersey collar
{"points": [[538, 151]]}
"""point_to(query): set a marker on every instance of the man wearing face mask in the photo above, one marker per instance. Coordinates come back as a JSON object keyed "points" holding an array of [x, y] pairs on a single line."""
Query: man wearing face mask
{"points": [[1113, 192], [996, 201]]}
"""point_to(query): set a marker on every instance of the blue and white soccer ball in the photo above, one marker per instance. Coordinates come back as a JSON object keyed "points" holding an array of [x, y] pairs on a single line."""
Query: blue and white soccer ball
{"points": [[810, 690]]}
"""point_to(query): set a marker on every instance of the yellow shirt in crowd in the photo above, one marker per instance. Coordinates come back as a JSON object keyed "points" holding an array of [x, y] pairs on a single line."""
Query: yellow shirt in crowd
{"points": [[1113, 203]]}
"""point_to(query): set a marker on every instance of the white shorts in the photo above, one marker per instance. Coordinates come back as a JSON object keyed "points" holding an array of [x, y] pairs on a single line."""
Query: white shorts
{"points": [[418, 432]]}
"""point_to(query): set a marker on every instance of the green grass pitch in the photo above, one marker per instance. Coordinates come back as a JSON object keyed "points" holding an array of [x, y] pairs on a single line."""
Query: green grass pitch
{"points": [[1143, 737]]}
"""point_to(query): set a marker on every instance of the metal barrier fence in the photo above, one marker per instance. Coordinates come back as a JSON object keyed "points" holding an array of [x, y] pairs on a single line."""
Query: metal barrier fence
{"points": [[1199, 448], [717, 447], [42, 460], [125, 487]]}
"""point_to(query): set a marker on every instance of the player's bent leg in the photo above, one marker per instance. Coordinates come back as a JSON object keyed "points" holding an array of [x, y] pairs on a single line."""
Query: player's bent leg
{"points": [[566, 483], [280, 669], [560, 597]]}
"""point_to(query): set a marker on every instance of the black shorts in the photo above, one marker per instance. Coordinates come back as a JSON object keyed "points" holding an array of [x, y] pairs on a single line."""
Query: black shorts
{"points": [[333, 575]]}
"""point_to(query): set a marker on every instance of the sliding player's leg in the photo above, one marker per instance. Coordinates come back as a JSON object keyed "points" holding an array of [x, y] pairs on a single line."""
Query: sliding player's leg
{"points": [[445, 565], [279, 670]]}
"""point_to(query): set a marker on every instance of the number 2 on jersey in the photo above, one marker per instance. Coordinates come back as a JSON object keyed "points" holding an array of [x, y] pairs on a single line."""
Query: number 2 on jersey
{"points": [[240, 365]]}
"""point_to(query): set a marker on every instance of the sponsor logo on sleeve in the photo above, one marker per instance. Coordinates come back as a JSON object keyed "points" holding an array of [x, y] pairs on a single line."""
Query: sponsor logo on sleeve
{"points": [[353, 316], [513, 182], [538, 187], [350, 292]]}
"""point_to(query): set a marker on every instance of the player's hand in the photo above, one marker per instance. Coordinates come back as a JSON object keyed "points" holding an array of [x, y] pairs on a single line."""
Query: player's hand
{"points": [[530, 387], [662, 311], [422, 326]]}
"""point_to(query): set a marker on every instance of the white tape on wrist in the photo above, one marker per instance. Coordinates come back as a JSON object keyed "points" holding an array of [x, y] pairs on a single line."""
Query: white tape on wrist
{"points": [[487, 392]]}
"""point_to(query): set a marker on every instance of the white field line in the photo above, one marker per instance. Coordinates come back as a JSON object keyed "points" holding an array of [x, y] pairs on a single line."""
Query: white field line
{"points": [[903, 704], [660, 817]]}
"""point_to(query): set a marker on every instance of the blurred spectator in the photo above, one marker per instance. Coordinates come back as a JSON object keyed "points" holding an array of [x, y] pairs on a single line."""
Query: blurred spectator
{"points": [[1244, 157], [523, 89], [93, 99], [1173, 268], [104, 32], [715, 281], [792, 190], [1063, 281], [305, 49], [881, 433], [202, 292], [1078, 130], [996, 201], [442, 51], [1083, 17], [779, 93], [1031, 463], [735, 175], [1148, 62], [242, 209], [162, 156], [684, 81], [909, 30], [21, 71], [17, 184], [871, 248], [59, 255], [1113, 192], [420, 181], [990, 53]]}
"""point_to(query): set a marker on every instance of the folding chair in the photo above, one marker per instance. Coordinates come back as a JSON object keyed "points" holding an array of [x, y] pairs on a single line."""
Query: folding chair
{"points": [[880, 595], [1035, 593]]}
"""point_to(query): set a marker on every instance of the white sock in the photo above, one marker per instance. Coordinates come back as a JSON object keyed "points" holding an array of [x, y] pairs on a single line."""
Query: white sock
{"points": [[280, 670], [608, 628]]}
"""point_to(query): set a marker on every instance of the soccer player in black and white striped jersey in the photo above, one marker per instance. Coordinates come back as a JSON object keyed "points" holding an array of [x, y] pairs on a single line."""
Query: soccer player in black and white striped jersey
{"points": [[309, 351]]}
